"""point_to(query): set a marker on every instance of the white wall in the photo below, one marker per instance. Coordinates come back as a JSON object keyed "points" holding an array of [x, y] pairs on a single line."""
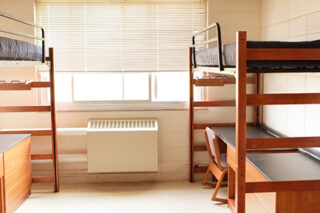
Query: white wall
{"points": [[292, 20], [236, 15]]}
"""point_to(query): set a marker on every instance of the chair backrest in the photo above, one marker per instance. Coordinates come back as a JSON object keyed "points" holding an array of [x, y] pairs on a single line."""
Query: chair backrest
{"points": [[212, 145]]}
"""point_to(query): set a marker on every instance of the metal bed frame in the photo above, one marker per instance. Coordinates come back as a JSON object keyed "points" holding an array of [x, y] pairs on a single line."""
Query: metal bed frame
{"points": [[25, 35], [217, 40], [28, 85]]}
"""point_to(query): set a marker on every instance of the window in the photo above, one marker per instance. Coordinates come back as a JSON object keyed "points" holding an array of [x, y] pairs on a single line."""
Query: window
{"points": [[169, 89], [120, 50]]}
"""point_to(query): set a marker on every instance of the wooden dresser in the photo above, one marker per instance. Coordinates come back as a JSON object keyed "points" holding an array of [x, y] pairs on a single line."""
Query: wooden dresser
{"points": [[15, 171]]}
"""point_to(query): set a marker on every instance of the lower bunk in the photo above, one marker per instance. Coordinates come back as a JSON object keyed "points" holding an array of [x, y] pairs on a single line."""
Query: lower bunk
{"points": [[271, 166]]}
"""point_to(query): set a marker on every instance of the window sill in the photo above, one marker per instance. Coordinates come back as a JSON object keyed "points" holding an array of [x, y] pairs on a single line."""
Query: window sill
{"points": [[154, 106]]}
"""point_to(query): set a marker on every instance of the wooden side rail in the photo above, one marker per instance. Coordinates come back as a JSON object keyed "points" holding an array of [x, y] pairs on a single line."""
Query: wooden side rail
{"points": [[287, 142], [288, 54], [282, 186], [281, 99]]}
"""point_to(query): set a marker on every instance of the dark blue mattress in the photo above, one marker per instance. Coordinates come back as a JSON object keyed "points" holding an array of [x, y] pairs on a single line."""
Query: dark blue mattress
{"points": [[15, 50], [208, 57]]}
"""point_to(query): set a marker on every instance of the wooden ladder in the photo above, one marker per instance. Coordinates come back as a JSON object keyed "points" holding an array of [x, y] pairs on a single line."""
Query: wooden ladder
{"points": [[38, 132], [209, 80]]}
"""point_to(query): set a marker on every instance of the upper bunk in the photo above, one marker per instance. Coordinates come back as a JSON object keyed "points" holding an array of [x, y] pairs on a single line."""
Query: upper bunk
{"points": [[15, 52], [223, 57]]}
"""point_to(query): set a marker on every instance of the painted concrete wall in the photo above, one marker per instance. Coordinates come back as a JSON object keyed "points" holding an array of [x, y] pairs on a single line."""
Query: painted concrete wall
{"points": [[292, 20]]}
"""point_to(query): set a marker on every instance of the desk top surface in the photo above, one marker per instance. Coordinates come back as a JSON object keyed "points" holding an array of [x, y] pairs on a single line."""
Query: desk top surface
{"points": [[275, 166], [228, 133], [10, 140], [286, 166]]}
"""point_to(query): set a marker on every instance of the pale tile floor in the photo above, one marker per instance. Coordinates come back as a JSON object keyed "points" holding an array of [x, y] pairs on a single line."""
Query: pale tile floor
{"points": [[171, 197]]}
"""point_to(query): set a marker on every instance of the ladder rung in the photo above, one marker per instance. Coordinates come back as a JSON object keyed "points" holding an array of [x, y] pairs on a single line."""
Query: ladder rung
{"points": [[41, 156], [218, 81], [200, 148], [208, 82], [40, 84], [25, 108], [24, 85], [33, 132], [15, 86], [205, 125], [213, 103], [200, 169], [44, 179]]}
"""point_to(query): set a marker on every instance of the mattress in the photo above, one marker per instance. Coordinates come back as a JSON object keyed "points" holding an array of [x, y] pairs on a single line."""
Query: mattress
{"points": [[15, 50], [208, 57]]}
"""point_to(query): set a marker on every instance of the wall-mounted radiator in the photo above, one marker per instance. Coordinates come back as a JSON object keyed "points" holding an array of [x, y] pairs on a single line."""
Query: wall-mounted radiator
{"points": [[122, 146]]}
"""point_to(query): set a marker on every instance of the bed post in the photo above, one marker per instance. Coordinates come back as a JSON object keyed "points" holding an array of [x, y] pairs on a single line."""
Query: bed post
{"points": [[53, 122], [191, 166], [241, 103], [256, 107]]}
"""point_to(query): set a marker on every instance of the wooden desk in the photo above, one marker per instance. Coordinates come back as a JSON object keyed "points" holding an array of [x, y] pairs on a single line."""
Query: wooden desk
{"points": [[273, 166], [15, 171]]}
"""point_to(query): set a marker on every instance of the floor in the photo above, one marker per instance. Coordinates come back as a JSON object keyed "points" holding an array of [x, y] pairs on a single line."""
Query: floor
{"points": [[165, 197]]}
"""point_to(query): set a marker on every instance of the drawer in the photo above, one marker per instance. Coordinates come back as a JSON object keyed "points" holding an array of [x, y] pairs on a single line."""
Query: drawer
{"points": [[16, 154], [1, 165], [19, 193], [15, 174]]}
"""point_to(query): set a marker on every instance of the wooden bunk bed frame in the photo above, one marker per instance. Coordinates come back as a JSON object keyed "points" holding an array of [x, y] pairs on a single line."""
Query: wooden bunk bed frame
{"points": [[237, 171], [28, 85], [208, 80]]}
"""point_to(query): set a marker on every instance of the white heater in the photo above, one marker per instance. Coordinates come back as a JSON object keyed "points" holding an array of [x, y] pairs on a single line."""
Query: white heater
{"points": [[116, 146]]}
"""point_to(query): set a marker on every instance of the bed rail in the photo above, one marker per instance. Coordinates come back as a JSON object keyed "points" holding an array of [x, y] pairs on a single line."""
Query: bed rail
{"points": [[209, 41], [42, 38]]}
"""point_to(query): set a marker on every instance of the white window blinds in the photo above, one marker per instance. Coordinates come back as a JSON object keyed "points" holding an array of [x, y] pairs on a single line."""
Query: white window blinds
{"points": [[121, 36]]}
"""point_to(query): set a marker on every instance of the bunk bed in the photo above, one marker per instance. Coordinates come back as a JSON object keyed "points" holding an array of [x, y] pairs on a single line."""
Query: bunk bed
{"points": [[208, 79], [15, 52], [289, 178]]}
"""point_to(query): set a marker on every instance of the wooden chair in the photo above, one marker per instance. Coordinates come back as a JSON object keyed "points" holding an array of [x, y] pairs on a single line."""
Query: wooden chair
{"points": [[218, 163]]}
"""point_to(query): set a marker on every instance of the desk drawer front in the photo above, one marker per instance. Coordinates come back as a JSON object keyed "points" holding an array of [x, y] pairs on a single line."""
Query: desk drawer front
{"points": [[16, 154]]}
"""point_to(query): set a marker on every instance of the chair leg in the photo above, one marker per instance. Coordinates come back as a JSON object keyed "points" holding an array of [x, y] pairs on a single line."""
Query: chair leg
{"points": [[214, 196], [204, 180]]}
